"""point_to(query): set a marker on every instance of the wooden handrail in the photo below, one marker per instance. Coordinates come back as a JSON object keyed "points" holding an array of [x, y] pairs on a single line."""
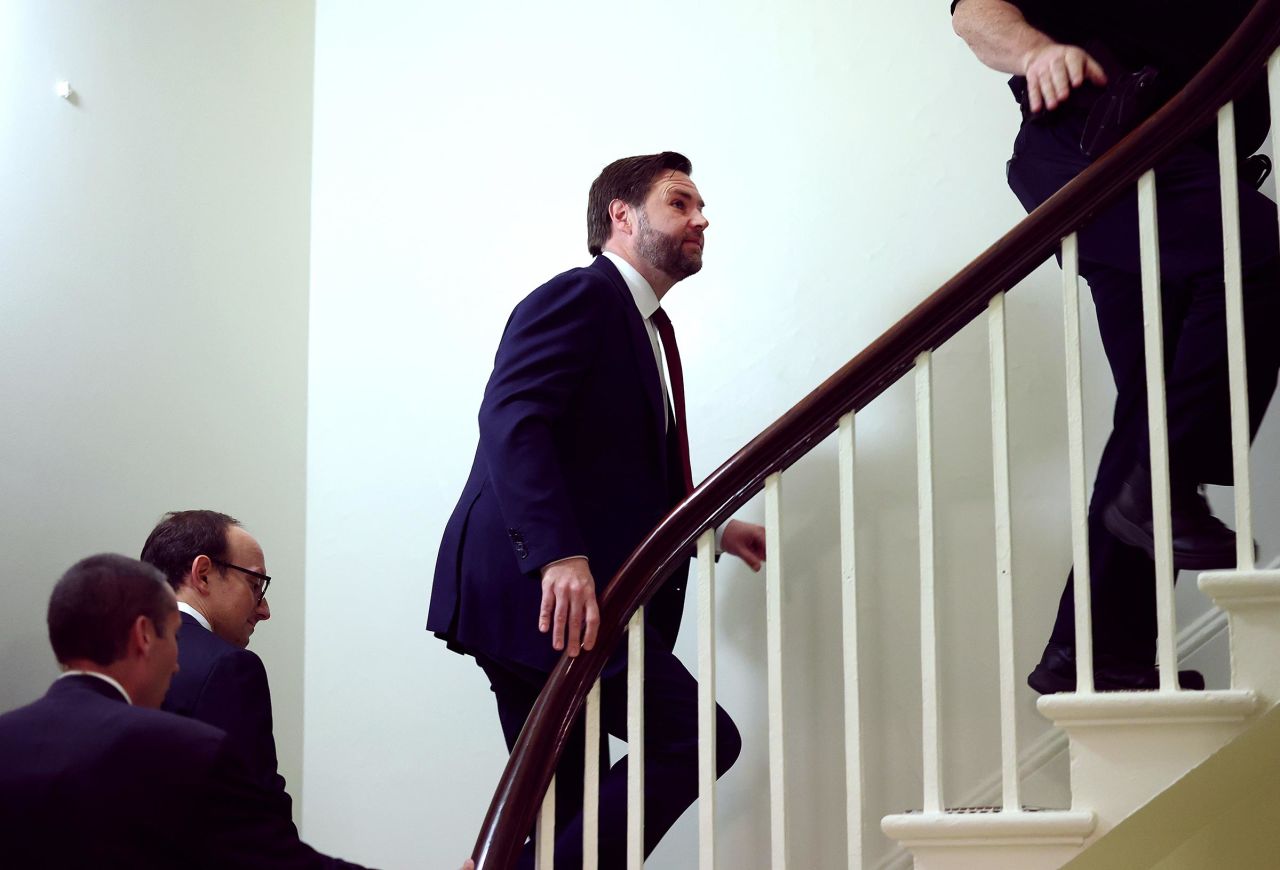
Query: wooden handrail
{"points": [[998, 269]]}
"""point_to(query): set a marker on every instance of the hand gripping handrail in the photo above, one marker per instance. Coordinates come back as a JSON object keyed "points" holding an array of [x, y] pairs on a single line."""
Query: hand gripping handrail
{"points": [[998, 269]]}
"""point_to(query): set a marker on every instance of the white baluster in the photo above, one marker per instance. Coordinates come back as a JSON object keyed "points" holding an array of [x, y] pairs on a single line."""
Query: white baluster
{"points": [[591, 783], [1158, 428], [1075, 456], [932, 767], [707, 700], [773, 630], [1273, 90], [546, 833], [635, 741], [1232, 276], [1004, 551], [849, 612]]}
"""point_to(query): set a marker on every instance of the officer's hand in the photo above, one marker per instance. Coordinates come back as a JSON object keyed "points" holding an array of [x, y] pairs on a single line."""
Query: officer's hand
{"points": [[569, 601], [1053, 69]]}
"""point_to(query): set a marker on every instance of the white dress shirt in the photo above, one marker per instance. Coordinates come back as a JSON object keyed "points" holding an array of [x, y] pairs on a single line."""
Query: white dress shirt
{"points": [[194, 614], [647, 303], [114, 683]]}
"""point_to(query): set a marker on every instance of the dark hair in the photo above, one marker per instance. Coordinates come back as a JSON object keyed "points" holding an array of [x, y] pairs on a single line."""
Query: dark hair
{"points": [[181, 536], [95, 604], [629, 180]]}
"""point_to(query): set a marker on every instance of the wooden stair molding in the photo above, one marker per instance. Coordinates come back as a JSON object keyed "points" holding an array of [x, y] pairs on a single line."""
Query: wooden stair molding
{"points": [[964, 839], [1251, 600], [1127, 747]]}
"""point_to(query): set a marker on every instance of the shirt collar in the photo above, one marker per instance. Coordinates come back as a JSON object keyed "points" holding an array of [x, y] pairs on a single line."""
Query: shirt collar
{"points": [[646, 300], [119, 688], [194, 614]]}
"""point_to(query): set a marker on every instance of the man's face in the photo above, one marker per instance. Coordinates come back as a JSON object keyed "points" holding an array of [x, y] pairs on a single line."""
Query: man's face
{"points": [[233, 606], [670, 226], [162, 662]]}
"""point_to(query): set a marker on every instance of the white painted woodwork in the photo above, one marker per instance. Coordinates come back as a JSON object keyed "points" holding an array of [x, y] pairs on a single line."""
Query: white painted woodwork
{"points": [[1004, 553], [1009, 841], [1234, 280], [1273, 91], [635, 741], [707, 700], [1158, 428], [591, 782], [1251, 600], [1079, 481], [546, 833], [849, 634], [932, 738], [773, 631], [1127, 747]]}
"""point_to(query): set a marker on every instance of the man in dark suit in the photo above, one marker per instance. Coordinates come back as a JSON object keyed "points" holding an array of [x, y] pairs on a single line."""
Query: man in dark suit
{"points": [[90, 777], [218, 572], [583, 449]]}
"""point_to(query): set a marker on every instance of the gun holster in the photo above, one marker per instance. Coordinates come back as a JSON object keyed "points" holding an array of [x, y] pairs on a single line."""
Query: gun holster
{"points": [[1128, 99], [1110, 112]]}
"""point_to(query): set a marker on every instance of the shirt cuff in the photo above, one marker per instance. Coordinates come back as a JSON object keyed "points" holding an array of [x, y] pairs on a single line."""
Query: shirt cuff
{"points": [[566, 559]]}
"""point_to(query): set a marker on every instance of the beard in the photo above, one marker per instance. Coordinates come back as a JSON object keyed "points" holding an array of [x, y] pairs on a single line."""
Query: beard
{"points": [[666, 253]]}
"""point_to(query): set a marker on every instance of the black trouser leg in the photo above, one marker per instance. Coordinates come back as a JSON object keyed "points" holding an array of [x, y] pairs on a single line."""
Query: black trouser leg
{"points": [[1189, 219], [670, 743]]}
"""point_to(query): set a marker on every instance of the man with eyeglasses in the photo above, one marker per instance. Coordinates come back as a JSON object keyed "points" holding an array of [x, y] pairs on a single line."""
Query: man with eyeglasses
{"points": [[93, 776], [217, 571]]}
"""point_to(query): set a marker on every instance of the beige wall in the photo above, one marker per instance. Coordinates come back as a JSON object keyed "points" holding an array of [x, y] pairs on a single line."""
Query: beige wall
{"points": [[153, 299]]}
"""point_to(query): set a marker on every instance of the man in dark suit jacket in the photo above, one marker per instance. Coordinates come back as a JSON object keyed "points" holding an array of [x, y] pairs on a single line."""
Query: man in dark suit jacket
{"points": [[218, 572], [582, 451], [90, 777]]}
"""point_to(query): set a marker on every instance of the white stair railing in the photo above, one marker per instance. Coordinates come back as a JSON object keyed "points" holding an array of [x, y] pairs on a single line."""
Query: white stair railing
{"points": [[1070, 825]]}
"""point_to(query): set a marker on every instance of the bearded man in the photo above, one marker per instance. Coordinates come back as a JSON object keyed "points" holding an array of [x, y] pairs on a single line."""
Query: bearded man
{"points": [[583, 449]]}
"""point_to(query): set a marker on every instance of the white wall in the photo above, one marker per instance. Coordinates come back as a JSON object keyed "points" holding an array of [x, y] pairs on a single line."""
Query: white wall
{"points": [[852, 158], [153, 294]]}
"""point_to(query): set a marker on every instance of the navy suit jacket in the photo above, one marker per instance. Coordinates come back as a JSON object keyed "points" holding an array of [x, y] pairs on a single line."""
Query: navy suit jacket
{"points": [[226, 686], [86, 780], [574, 459]]}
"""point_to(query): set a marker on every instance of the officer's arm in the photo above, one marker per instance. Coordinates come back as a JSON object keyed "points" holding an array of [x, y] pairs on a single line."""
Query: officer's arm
{"points": [[1002, 39]]}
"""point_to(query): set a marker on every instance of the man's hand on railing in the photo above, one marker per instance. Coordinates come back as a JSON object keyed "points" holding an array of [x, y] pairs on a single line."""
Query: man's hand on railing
{"points": [[746, 541], [470, 865], [1053, 69], [569, 601]]}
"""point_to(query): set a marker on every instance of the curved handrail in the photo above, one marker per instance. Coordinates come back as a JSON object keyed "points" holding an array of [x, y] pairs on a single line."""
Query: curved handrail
{"points": [[940, 316]]}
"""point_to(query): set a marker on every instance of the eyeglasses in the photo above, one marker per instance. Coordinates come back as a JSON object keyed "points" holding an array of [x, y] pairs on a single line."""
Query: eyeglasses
{"points": [[259, 588]]}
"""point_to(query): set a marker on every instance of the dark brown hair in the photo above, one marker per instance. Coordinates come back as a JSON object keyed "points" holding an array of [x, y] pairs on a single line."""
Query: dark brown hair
{"points": [[95, 604], [181, 536], [629, 180]]}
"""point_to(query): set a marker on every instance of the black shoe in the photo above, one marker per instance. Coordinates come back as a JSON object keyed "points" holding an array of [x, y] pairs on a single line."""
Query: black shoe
{"points": [[1057, 673], [1200, 541]]}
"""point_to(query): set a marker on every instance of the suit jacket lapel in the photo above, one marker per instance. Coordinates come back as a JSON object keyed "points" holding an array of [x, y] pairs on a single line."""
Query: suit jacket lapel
{"points": [[642, 353]]}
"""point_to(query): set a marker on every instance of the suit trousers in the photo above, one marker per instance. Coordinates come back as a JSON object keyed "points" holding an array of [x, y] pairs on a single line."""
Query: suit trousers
{"points": [[670, 751], [1189, 213]]}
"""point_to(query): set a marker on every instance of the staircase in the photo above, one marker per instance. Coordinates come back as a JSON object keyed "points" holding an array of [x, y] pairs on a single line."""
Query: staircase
{"points": [[1126, 749], [1129, 751]]}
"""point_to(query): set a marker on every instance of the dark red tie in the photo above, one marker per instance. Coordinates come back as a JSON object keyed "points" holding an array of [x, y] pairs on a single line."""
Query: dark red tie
{"points": [[676, 375]]}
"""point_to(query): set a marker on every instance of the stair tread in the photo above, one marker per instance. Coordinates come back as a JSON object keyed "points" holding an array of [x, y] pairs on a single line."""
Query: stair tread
{"points": [[1149, 707], [990, 823]]}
